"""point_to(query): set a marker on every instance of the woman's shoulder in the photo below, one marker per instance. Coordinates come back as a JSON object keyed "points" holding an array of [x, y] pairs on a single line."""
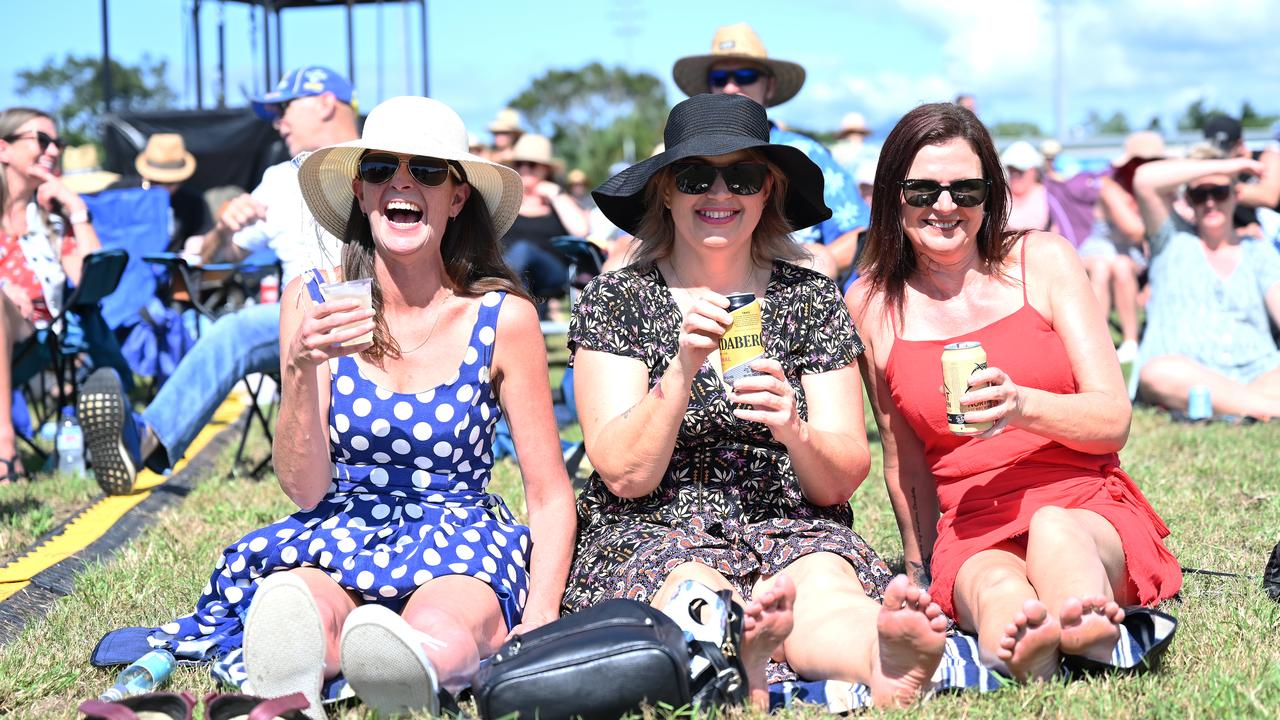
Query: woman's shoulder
{"points": [[632, 278], [799, 277], [1042, 251]]}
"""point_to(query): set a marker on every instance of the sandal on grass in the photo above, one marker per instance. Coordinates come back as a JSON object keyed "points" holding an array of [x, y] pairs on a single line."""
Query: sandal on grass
{"points": [[248, 707], [9, 473], [152, 706]]}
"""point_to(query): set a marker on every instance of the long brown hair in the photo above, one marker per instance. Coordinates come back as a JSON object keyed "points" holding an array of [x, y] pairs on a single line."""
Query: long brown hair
{"points": [[472, 260], [656, 233], [10, 121], [889, 259]]}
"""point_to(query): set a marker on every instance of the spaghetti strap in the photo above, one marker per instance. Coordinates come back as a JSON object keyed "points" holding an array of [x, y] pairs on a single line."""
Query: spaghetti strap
{"points": [[893, 321], [1023, 261], [312, 279]]}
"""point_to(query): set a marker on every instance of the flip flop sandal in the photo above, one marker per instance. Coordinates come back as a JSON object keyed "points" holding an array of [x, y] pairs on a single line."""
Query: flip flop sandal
{"points": [[232, 706], [152, 706], [284, 642], [103, 410], [384, 662], [10, 474]]}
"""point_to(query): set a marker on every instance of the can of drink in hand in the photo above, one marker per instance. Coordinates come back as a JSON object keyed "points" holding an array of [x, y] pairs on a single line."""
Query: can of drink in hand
{"points": [[741, 343], [959, 361], [1199, 403], [269, 289]]}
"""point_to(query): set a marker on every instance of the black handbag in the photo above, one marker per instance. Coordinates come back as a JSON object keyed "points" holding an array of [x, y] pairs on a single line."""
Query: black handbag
{"points": [[598, 664]]}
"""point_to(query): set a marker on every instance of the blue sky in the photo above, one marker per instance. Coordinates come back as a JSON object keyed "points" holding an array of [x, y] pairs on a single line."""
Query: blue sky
{"points": [[1143, 57]]}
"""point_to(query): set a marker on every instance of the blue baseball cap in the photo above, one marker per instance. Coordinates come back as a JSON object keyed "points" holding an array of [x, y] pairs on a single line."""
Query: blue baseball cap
{"points": [[303, 82]]}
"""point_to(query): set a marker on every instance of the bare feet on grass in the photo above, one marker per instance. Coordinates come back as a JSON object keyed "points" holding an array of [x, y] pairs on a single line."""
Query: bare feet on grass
{"points": [[911, 635], [1029, 648], [766, 621], [1090, 627]]}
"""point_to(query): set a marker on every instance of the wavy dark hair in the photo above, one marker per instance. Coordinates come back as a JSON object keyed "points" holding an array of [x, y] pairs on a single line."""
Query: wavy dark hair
{"points": [[889, 259], [472, 259], [771, 240]]}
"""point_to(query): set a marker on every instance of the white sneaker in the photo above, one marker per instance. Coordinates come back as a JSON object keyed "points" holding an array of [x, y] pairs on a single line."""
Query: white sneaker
{"points": [[284, 642], [1127, 352], [384, 662]]}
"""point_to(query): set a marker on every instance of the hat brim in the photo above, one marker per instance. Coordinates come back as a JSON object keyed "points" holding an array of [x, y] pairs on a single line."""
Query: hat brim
{"points": [[621, 197], [165, 175], [325, 179], [87, 183], [556, 165], [690, 74]]}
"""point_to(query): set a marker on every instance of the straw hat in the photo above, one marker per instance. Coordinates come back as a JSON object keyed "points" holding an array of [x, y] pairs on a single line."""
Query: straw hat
{"points": [[576, 175], [1143, 145], [408, 126], [738, 42], [1050, 148], [535, 149], [165, 159], [507, 120], [81, 172], [706, 126], [854, 124]]}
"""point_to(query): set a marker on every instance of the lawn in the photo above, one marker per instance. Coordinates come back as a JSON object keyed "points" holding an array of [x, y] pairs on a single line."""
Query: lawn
{"points": [[1215, 486]]}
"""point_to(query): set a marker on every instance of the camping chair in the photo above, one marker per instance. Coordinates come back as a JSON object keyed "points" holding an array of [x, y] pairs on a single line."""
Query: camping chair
{"points": [[212, 290], [78, 328], [585, 260]]}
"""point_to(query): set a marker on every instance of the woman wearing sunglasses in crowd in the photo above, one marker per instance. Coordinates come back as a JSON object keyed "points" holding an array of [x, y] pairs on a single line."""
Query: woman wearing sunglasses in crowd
{"points": [[742, 485], [1211, 292], [1033, 534], [400, 570], [45, 234], [546, 212]]}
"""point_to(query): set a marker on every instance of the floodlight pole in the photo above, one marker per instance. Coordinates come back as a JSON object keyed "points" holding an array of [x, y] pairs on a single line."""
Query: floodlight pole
{"points": [[195, 27], [426, 85], [351, 43]]}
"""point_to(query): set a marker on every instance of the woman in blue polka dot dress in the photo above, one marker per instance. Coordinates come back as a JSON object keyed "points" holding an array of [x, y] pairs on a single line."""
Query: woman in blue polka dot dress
{"points": [[400, 571]]}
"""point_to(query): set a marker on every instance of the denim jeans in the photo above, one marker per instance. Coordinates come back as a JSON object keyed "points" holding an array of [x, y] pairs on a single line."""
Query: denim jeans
{"points": [[544, 272], [240, 343]]}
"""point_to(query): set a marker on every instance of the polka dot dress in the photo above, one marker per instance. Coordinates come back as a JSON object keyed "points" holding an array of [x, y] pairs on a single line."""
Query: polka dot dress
{"points": [[407, 504]]}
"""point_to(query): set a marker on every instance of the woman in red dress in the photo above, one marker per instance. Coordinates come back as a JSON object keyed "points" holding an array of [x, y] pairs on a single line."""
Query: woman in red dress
{"points": [[1034, 536]]}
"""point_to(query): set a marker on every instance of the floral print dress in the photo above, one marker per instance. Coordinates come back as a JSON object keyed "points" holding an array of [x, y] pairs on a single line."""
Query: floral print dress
{"points": [[730, 498]]}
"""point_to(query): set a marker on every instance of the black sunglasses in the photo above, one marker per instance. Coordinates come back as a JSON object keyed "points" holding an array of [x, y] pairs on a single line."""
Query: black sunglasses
{"points": [[377, 168], [44, 139], [965, 193], [741, 77], [744, 178], [1198, 195]]}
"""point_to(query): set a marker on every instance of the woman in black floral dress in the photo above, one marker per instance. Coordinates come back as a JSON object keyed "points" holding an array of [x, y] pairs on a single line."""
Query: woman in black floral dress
{"points": [[743, 487]]}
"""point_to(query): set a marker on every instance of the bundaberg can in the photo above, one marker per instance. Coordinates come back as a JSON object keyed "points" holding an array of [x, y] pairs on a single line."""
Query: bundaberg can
{"points": [[741, 343], [959, 361]]}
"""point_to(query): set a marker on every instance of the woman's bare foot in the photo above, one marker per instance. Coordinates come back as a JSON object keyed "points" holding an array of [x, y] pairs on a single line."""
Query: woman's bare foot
{"points": [[766, 621], [911, 634], [1090, 627], [1029, 648]]}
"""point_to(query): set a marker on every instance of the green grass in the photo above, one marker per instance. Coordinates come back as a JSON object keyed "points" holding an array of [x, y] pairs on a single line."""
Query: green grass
{"points": [[1213, 484]]}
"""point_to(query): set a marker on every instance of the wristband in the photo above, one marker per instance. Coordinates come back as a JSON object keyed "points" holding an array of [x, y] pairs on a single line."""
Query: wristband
{"points": [[80, 218]]}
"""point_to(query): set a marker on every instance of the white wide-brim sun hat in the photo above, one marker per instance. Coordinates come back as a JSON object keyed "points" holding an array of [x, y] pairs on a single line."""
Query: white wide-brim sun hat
{"points": [[409, 126]]}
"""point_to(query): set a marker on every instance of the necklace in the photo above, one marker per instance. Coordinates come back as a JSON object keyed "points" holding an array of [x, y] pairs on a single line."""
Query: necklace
{"points": [[434, 323], [744, 285]]}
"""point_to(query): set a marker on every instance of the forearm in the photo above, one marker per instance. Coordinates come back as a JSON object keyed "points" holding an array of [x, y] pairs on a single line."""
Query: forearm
{"points": [[1093, 422], [217, 246], [844, 249], [553, 524], [915, 508], [300, 449], [829, 465], [632, 451], [571, 216], [86, 242]]}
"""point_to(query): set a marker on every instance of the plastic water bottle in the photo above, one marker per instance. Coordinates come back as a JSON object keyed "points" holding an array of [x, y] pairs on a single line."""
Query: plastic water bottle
{"points": [[70, 443], [145, 675]]}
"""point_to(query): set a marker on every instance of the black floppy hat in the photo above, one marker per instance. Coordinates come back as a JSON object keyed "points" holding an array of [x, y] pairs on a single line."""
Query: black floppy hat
{"points": [[705, 126]]}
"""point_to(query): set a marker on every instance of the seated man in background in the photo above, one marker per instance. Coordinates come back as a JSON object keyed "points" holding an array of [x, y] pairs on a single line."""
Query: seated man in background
{"points": [[311, 107], [167, 164]]}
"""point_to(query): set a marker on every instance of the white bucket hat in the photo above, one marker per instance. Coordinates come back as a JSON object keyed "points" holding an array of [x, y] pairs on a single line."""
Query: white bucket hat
{"points": [[409, 126]]}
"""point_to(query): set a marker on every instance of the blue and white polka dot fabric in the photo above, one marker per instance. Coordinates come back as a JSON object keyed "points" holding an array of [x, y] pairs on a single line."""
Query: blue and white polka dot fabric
{"points": [[407, 504]]}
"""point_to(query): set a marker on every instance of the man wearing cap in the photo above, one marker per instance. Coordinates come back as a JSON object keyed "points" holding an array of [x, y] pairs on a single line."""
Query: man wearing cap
{"points": [[850, 149], [738, 64], [506, 131], [311, 107], [1261, 191]]}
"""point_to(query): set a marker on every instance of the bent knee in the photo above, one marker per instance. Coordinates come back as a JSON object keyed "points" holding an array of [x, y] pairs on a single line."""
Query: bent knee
{"points": [[823, 572]]}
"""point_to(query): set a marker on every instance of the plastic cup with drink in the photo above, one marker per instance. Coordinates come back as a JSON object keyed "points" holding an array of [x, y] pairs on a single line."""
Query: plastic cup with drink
{"points": [[361, 290]]}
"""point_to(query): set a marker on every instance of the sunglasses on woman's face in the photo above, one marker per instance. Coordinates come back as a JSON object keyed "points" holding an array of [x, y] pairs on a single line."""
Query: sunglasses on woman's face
{"points": [[1199, 195], [742, 77], [377, 168], [42, 138], [965, 193], [744, 178]]}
